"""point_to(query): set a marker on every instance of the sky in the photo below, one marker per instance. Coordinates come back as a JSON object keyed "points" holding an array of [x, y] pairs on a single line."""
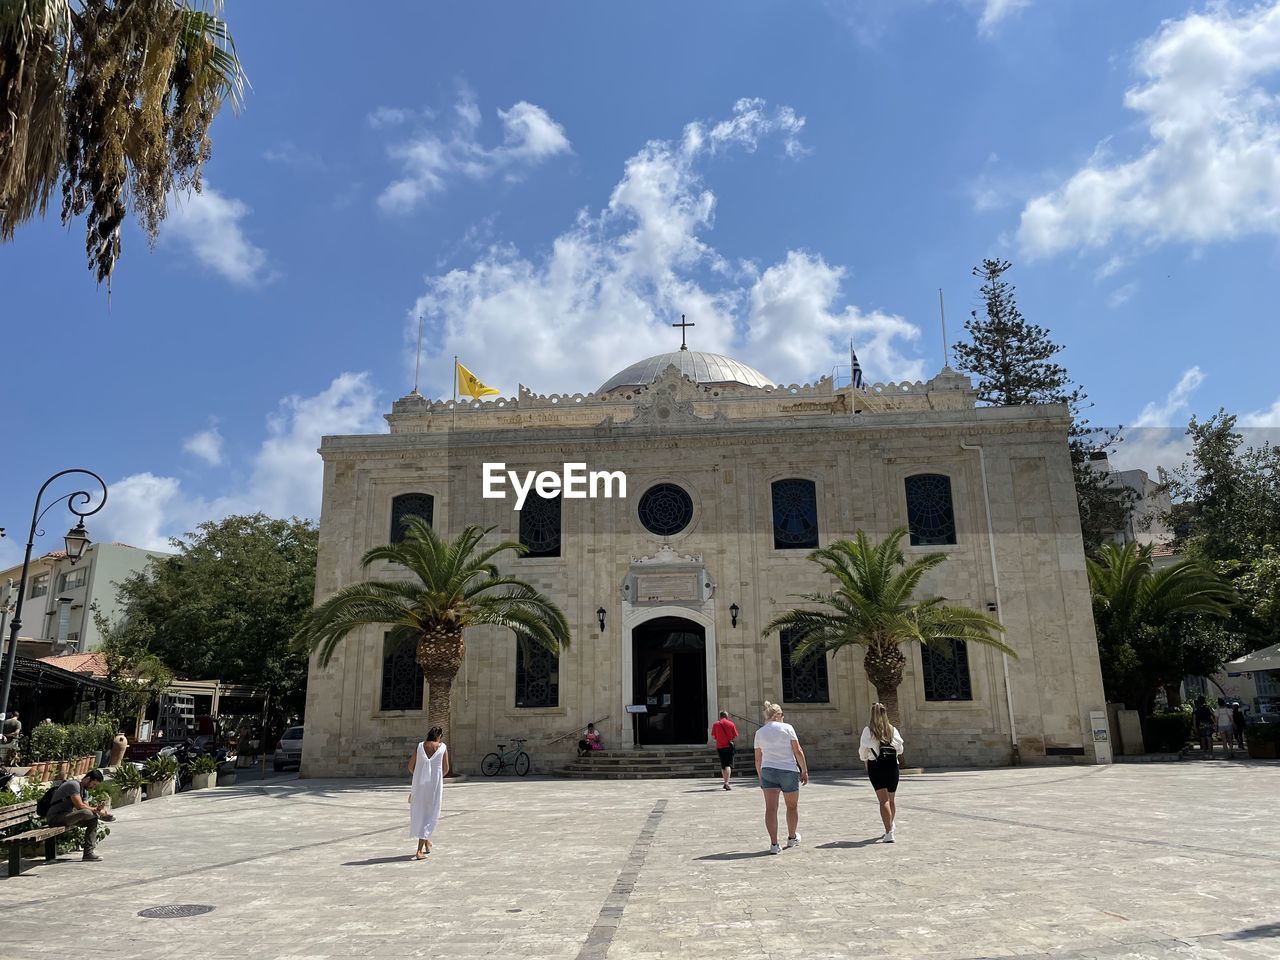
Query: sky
{"points": [[550, 186]]}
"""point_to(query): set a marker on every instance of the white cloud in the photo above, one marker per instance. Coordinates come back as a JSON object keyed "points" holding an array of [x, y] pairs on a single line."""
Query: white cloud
{"points": [[209, 225], [1266, 419], [284, 478], [207, 445], [993, 11], [1157, 437], [611, 284], [429, 160], [1122, 295], [1211, 168], [1175, 405]]}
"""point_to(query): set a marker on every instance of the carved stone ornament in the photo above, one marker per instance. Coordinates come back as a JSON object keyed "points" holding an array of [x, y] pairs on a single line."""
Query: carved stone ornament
{"points": [[667, 577]]}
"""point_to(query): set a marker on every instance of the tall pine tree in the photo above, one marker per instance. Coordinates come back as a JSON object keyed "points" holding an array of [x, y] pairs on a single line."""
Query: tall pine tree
{"points": [[1013, 363]]}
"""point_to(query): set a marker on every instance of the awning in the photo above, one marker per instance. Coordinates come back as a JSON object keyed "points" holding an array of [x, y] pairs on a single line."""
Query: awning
{"points": [[1268, 658], [31, 673]]}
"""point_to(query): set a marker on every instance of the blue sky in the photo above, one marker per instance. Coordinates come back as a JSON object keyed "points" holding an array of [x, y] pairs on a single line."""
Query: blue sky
{"points": [[550, 186]]}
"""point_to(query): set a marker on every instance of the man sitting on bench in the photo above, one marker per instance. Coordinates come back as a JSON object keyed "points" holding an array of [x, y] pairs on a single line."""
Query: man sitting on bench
{"points": [[70, 810]]}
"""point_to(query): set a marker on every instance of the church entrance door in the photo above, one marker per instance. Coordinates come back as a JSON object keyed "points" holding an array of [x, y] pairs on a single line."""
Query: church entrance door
{"points": [[670, 678]]}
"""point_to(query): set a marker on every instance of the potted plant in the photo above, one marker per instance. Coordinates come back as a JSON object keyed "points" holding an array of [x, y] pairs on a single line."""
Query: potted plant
{"points": [[204, 772], [47, 746], [159, 774], [227, 772], [129, 780], [1263, 740]]}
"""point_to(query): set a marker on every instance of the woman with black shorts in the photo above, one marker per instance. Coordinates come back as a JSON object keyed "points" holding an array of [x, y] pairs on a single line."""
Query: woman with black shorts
{"points": [[881, 751]]}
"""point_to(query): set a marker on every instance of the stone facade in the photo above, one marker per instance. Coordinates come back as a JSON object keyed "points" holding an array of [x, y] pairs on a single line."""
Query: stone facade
{"points": [[725, 445]]}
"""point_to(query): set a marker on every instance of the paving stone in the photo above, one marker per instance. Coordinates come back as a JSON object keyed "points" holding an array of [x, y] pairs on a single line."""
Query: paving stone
{"points": [[1144, 862]]}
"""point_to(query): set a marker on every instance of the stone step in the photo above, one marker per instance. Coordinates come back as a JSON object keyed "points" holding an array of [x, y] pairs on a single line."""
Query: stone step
{"points": [[575, 773], [668, 768]]}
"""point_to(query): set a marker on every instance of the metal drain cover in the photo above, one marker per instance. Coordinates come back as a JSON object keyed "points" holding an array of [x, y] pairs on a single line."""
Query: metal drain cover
{"points": [[171, 911]]}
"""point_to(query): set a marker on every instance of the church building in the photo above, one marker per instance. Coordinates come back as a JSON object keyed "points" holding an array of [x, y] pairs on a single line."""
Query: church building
{"points": [[730, 481]]}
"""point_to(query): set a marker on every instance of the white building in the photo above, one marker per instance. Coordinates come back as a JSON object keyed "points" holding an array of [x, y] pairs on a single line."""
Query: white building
{"points": [[1151, 504], [57, 611]]}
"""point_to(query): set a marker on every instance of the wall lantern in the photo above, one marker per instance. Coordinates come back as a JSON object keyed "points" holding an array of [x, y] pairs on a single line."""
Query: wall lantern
{"points": [[600, 617], [733, 614]]}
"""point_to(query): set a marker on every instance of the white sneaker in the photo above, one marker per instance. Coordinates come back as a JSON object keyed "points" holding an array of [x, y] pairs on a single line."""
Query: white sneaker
{"points": [[888, 837], [775, 849], [793, 841]]}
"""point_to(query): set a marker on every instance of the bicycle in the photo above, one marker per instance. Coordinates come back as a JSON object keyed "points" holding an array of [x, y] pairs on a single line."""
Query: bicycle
{"points": [[495, 763]]}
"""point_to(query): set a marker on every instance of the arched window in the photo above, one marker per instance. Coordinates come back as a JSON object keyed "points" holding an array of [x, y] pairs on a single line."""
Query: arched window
{"points": [[402, 679], [930, 514], [537, 675], [806, 681], [665, 509], [795, 514], [409, 505], [540, 525], [947, 677]]}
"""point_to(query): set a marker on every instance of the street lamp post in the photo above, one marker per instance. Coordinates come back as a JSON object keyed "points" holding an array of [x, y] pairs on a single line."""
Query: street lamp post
{"points": [[77, 539]]}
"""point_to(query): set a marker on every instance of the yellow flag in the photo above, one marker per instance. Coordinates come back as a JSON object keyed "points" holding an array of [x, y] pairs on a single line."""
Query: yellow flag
{"points": [[470, 385]]}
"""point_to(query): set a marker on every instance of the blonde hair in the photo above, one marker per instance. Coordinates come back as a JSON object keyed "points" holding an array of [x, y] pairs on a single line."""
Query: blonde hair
{"points": [[880, 726], [772, 711]]}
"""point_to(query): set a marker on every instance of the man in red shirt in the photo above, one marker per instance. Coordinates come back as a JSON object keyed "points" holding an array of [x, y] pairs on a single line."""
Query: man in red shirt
{"points": [[725, 733]]}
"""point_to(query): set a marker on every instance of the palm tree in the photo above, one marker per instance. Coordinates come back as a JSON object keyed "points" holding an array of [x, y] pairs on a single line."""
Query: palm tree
{"points": [[1137, 611], [872, 607], [457, 585], [110, 100]]}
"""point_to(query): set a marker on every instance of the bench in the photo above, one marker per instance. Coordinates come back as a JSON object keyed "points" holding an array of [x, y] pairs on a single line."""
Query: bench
{"points": [[22, 814]]}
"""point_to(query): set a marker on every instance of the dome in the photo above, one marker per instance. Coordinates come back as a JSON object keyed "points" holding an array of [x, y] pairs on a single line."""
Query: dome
{"points": [[707, 368]]}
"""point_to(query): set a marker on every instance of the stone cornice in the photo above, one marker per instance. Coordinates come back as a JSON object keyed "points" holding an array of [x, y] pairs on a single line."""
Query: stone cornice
{"points": [[982, 424]]}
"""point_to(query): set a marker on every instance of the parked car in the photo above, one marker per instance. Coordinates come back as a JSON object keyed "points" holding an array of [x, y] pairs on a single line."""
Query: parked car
{"points": [[288, 750]]}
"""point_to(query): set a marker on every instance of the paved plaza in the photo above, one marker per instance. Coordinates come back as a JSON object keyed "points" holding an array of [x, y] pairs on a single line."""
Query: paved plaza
{"points": [[1161, 861]]}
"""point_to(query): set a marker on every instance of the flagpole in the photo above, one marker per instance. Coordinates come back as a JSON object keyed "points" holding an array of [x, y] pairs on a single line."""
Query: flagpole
{"points": [[417, 357], [852, 361], [946, 348], [455, 379]]}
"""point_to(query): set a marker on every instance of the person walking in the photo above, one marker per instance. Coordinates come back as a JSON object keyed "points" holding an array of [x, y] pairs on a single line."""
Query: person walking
{"points": [[725, 732], [1203, 718], [1226, 728], [429, 766], [881, 751], [1237, 724], [782, 768]]}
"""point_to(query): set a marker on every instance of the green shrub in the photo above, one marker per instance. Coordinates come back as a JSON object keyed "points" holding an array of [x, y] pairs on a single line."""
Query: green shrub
{"points": [[79, 741], [1167, 732], [127, 777], [204, 764], [159, 769], [48, 742]]}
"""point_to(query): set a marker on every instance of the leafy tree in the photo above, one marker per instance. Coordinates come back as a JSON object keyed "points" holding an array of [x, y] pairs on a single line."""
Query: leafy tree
{"points": [[872, 607], [1232, 491], [139, 676], [227, 606], [1154, 625], [112, 100], [1227, 513], [1012, 362], [456, 585]]}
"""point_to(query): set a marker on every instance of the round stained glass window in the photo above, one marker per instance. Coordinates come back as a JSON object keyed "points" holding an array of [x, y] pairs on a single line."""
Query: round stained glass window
{"points": [[665, 509]]}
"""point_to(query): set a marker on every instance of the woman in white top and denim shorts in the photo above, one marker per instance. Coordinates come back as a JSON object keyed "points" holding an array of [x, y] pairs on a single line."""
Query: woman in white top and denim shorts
{"points": [[781, 767]]}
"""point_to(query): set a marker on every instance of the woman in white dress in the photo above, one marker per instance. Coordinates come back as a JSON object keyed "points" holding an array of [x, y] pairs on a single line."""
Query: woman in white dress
{"points": [[429, 766]]}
